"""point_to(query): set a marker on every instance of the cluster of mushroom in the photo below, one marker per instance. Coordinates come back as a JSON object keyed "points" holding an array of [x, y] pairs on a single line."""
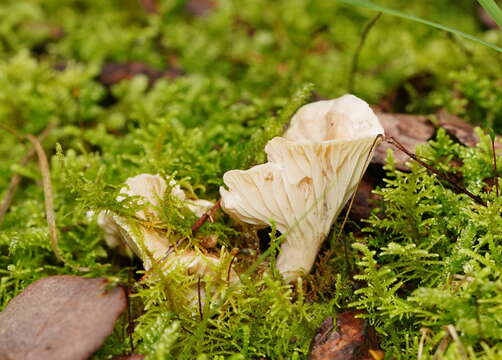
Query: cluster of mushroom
{"points": [[311, 173]]}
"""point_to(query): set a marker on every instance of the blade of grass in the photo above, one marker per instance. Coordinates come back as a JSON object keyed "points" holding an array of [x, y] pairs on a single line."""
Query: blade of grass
{"points": [[492, 8], [372, 6]]}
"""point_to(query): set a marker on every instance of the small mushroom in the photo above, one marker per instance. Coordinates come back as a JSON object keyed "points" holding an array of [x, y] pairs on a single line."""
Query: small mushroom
{"points": [[146, 241], [310, 175], [153, 246]]}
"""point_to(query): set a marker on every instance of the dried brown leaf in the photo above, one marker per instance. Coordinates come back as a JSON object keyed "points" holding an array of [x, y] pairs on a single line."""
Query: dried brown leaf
{"points": [[60, 317], [409, 130]]}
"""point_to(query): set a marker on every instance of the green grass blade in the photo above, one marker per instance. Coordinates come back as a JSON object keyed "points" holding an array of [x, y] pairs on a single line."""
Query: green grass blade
{"points": [[492, 8], [372, 6]]}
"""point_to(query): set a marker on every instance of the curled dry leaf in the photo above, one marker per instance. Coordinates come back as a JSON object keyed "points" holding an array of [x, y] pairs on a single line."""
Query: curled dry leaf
{"points": [[453, 125], [354, 339], [311, 173], [59, 318], [462, 131]]}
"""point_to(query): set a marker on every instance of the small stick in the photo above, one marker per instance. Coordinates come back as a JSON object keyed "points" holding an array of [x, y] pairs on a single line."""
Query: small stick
{"points": [[391, 140], [50, 215], [199, 300], [355, 58], [16, 178], [43, 164], [207, 215], [460, 347], [230, 268], [495, 175], [421, 344], [443, 344]]}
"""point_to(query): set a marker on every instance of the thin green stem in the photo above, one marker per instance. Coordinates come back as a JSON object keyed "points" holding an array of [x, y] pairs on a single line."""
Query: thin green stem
{"points": [[355, 58]]}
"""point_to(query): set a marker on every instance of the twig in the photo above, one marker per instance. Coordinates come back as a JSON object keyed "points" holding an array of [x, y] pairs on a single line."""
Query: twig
{"points": [[43, 164], [355, 58], [16, 178], [207, 215], [230, 268], [495, 174], [199, 300], [460, 347], [444, 176], [421, 344], [443, 344]]}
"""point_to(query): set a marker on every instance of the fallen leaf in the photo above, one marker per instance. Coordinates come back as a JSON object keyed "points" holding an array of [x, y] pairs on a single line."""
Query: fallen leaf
{"points": [[461, 130], [59, 318], [409, 130], [354, 339]]}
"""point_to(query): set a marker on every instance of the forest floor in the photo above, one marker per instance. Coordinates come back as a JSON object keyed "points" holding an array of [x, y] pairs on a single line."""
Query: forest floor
{"points": [[190, 89]]}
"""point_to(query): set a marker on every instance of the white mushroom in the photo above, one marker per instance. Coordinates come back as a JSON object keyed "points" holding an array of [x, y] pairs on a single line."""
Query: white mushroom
{"points": [[146, 241], [310, 175], [152, 245]]}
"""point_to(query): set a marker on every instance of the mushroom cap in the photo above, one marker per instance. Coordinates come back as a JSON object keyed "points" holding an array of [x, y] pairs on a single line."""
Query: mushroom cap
{"points": [[344, 118], [310, 175]]}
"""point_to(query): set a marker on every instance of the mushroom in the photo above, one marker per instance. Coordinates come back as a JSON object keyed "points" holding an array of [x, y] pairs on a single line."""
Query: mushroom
{"points": [[150, 243], [311, 173], [146, 241]]}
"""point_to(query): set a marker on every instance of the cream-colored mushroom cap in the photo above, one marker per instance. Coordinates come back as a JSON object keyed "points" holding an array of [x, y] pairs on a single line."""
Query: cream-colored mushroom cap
{"points": [[310, 175], [146, 241]]}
